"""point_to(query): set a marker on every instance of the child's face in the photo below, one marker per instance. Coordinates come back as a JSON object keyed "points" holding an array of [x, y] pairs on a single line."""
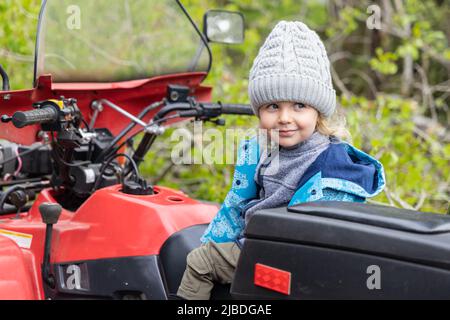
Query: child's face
{"points": [[294, 121]]}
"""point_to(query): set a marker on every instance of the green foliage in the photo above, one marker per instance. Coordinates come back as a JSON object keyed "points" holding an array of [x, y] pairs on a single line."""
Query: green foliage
{"points": [[346, 23], [385, 61], [17, 40], [419, 166]]}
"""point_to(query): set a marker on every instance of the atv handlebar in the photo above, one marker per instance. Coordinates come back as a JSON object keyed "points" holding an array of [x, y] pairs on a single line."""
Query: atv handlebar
{"points": [[204, 110], [64, 117], [45, 114], [49, 113], [237, 109]]}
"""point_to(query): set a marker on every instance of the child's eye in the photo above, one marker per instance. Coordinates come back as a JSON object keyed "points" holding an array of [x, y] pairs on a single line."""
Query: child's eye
{"points": [[299, 105], [272, 106]]}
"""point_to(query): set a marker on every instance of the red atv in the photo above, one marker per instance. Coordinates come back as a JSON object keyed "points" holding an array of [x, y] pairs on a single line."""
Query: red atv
{"points": [[76, 223]]}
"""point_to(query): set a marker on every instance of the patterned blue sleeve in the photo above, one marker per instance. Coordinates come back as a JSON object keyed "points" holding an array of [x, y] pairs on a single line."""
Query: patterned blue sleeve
{"points": [[228, 224], [336, 195]]}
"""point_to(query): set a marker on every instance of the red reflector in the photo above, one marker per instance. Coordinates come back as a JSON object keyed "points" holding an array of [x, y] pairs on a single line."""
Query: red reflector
{"points": [[273, 278]]}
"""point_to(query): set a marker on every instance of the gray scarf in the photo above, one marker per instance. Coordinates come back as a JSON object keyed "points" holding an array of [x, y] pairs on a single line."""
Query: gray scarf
{"points": [[279, 172]]}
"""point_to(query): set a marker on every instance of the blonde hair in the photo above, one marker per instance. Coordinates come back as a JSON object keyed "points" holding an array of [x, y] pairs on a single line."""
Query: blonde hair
{"points": [[334, 126]]}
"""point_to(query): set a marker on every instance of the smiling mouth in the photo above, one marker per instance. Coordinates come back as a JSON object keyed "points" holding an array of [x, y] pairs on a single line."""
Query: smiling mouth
{"points": [[286, 130], [287, 133]]}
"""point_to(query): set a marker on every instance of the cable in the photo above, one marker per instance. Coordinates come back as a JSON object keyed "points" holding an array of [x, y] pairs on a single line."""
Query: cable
{"points": [[89, 129], [73, 165], [86, 125], [140, 131], [133, 124], [24, 153], [130, 145], [143, 113], [103, 168], [19, 160], [59, 159], [22, 181]]}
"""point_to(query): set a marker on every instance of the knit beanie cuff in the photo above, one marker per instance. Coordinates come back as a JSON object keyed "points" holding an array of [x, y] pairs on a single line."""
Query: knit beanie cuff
{"points": [[292, 87]]}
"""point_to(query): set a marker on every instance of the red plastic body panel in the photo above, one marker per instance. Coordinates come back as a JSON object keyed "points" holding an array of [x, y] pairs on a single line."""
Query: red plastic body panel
{"points": [[133, 96], [16, 278], [109, 224]]}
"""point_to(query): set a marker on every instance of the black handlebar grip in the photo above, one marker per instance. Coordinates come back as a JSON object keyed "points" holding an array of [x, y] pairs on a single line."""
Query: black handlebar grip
{"points": [[47, 114], [237, 109]]}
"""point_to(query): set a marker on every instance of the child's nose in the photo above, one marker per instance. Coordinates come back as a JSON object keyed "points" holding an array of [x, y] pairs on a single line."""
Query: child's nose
{"points": [[284, 116]]}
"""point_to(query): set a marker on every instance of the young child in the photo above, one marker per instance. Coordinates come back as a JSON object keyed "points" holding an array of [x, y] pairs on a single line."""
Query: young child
{"points": [[291, 92]]}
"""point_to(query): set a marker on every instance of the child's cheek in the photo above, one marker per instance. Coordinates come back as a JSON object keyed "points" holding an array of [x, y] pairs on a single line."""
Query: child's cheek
{"points": [[307, 125], [265, 122]]}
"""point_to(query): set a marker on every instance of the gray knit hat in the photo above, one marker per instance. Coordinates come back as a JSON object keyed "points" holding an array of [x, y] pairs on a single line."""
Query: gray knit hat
{"points": [[292, 65]]}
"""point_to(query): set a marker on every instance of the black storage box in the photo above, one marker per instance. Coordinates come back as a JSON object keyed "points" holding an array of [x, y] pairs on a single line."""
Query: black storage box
{"points": [[340, 250]]}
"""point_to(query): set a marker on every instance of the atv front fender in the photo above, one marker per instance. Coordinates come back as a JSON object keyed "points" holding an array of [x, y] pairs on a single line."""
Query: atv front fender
{"points": [[15, 281]]}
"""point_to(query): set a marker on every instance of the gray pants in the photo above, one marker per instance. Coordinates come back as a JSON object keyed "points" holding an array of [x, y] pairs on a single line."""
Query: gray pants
{"points": [[209, 263]]}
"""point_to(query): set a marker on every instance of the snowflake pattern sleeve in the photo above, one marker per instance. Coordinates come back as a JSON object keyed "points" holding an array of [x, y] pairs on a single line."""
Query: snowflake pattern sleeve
{"points": [[336, 195], [228, 224]]}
